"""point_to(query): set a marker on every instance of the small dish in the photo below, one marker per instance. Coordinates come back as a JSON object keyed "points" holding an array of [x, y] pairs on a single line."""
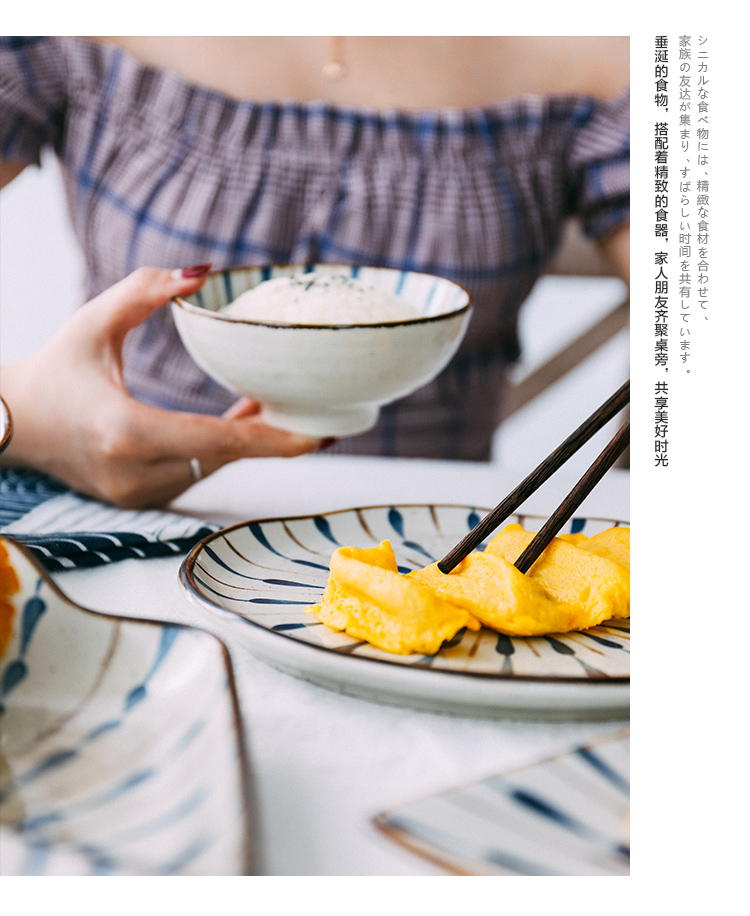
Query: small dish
{"points": [[261, 575], [122, 747], [325, 380], [565, 816]]}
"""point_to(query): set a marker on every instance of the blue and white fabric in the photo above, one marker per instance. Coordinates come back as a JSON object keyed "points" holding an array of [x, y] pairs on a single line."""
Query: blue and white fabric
{"points": [[65, 530]]}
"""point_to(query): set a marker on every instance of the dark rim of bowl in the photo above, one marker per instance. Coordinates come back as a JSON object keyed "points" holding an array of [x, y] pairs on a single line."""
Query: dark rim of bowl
{"points": [[182, 302], [6, 425]]}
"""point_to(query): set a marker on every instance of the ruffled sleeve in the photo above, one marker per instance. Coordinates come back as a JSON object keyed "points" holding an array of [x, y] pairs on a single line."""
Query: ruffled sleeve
{"points": [[599, 167], [33, 97]]}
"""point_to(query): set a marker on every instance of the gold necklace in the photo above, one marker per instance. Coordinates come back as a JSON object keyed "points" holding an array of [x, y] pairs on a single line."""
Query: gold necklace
{"points": [[335, 68]]}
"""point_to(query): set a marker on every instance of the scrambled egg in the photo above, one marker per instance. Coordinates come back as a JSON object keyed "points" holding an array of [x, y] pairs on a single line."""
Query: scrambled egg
{"points": [[370, 599], [577, 583], [9, 585]]}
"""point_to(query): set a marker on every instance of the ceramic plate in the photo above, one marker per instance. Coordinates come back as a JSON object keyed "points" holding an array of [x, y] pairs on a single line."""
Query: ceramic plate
{"points": [[122, 751], [262, 575], [568, 815]]}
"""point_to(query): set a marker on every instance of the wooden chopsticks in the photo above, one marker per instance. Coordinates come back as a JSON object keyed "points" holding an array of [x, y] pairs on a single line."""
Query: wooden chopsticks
{"points": [[540, 474], [573, 500]]}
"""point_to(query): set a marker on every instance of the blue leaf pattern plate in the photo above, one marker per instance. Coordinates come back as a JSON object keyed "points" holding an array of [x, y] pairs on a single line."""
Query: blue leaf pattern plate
{"points": [[568, 815], [262, 575], [122, 749]]}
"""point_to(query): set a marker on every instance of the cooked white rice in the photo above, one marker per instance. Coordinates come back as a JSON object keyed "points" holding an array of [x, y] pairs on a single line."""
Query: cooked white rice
{"points": [[320, 299]]}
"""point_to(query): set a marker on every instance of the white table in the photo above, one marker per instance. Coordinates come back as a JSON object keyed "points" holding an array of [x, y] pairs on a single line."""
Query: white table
{"points": [[325, 763]]}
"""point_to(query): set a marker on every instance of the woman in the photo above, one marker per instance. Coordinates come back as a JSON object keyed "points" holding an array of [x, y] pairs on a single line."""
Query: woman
{"points": [[456, 156]]}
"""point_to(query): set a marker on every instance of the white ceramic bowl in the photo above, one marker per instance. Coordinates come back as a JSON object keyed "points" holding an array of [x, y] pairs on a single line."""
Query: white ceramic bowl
{"points": [[327, 380]]}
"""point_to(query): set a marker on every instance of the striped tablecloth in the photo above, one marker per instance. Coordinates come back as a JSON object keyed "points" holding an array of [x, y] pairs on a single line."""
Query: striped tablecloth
{"points": [[65, 530]]}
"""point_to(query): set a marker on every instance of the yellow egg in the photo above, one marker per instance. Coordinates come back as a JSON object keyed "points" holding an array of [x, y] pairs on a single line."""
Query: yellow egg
{"points": [[501, 597], [368, 598], [9, 585], [578, 582], [614, 543], [578, 538], [598, 586]]}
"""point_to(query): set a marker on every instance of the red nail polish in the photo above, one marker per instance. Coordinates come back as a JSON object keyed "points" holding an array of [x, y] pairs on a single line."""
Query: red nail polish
{"points": [[195, 270]]}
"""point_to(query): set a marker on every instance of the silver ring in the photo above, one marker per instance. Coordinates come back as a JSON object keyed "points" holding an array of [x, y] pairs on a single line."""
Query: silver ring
{"points": [[196, 469]]}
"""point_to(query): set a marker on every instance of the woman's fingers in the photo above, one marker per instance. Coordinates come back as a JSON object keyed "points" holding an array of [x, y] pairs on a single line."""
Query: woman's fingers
{"points": [[140, 456], [77, 421], [116, 311], [214, 440], [136, 456], [243, 407]]}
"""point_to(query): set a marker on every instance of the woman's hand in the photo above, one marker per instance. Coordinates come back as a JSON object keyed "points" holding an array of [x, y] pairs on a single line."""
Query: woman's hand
{"points": [[74, 419]]}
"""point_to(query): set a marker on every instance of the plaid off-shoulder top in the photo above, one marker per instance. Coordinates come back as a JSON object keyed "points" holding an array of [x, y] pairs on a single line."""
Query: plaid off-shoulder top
{"points": [[165, 173]]}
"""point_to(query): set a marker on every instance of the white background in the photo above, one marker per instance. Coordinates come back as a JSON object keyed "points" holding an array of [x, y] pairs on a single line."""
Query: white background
{"points": [[689, 719]]}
